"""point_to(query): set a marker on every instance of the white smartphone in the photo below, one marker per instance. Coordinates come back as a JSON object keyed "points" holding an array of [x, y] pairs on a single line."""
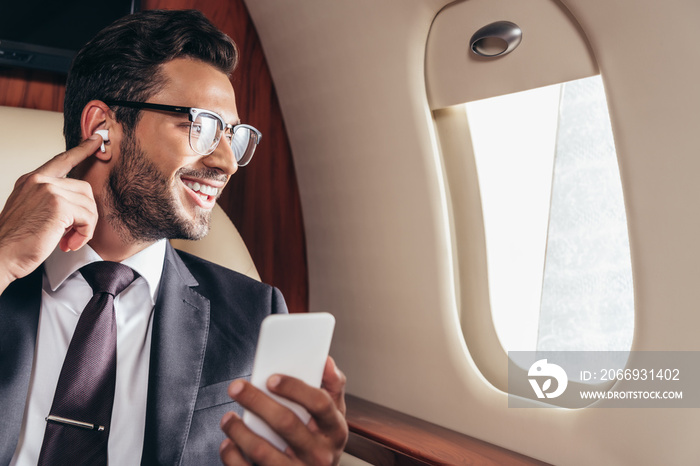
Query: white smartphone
{"points": [[290, 344]]}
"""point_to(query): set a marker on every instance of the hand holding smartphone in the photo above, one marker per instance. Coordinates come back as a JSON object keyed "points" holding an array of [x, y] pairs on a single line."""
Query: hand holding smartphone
{"points": [[296, 345]]}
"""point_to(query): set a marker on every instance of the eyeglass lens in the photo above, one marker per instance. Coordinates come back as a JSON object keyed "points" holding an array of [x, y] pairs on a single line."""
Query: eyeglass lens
{"points": [[206, 131], [243, 142]]}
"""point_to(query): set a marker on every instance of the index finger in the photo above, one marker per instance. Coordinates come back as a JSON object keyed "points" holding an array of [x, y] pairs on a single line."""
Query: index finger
{"points": [[60, 165]]}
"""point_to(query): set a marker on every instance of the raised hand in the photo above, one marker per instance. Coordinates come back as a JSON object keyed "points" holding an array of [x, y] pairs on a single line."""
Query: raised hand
{"points": [[45, 209]]}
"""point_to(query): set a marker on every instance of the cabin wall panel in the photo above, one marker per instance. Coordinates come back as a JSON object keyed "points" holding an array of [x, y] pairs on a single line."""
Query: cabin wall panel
{"points": [[262, 199], [350, 77]]}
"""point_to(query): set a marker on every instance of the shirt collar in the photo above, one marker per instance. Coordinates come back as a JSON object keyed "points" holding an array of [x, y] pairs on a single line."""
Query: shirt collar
{"points": [[148, 263]]}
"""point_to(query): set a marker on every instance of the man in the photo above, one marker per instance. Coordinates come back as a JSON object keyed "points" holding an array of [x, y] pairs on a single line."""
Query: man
{"points": [[158, 83]]}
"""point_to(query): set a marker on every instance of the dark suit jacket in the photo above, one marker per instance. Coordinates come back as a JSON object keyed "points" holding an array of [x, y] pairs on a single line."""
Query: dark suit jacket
{"points": [[205, 328]]}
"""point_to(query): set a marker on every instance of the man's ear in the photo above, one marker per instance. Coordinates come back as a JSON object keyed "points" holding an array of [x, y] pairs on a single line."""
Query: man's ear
{"points": [[97, 115]]}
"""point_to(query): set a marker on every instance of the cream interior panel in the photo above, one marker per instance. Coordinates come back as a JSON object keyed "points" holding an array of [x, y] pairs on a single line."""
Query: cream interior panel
{"points": [[552, 50], [24, 154], [351, 80]]}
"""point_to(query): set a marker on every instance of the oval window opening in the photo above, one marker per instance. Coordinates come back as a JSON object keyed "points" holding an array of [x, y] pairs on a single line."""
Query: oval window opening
{"points": [[559, 268]]}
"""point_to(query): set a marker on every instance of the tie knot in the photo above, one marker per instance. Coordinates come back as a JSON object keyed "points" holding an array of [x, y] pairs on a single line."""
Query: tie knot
{"points": [[108, 277]]}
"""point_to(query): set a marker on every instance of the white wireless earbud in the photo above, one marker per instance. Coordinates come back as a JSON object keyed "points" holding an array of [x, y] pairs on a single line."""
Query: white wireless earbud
{"points": [[105, 137]]}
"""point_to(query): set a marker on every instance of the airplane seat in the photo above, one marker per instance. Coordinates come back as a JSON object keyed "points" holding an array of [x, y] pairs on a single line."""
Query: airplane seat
{"points": [[28, 138]]}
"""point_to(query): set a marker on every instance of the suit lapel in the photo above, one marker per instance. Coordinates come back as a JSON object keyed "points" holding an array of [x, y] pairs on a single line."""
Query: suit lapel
{"points": [[20, 306], [180, 328]]}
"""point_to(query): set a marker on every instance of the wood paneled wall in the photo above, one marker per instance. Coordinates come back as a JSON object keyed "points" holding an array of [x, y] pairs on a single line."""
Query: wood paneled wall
{"points": [[32, 89], [262, 199]]}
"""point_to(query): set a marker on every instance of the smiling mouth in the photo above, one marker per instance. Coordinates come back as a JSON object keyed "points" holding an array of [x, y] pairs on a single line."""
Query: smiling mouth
{"points": [[204, 191]]}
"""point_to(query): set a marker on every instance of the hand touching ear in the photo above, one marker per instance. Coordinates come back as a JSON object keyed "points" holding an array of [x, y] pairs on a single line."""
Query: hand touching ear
{"points": [[45, 209]]}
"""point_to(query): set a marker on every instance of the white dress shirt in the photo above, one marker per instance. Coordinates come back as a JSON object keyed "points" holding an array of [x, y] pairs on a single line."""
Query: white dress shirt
{"points": [[65, 293]]}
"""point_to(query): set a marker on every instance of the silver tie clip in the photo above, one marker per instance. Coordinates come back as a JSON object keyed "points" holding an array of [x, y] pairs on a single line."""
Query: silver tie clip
{"points": [[71, 422]]}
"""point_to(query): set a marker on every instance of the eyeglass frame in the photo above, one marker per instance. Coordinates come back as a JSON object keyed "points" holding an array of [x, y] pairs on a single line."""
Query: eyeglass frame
{"points": [[192, 113]]}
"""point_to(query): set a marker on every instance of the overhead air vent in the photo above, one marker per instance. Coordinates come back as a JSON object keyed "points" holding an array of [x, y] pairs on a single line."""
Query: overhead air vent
{"points": [[496, 39]]}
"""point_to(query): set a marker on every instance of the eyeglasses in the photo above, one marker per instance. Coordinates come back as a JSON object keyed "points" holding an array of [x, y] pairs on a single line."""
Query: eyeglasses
{"points": [[206, 129]]}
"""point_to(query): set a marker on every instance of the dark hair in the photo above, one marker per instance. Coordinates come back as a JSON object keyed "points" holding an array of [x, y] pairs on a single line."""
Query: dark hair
{"points": [[123, 61]]}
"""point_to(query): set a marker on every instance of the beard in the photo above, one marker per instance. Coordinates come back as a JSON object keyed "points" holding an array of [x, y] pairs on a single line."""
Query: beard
{"points": [[141, 205]]}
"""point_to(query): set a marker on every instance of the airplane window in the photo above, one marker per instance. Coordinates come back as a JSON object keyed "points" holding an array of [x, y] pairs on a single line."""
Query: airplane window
{"points": [[557, 247]]}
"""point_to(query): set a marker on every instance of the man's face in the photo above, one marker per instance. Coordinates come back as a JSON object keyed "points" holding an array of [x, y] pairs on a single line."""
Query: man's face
{"points": [[159, 187]]}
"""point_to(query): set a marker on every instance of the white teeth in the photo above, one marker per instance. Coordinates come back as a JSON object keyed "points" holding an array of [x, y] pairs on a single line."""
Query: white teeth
{"points": [[202, 189]]}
